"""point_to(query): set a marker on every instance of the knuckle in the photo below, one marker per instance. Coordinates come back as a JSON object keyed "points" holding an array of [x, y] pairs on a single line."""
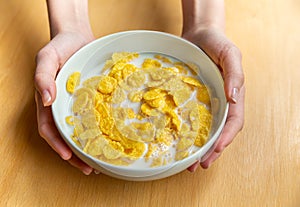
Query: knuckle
{"points": [[41, 54]]}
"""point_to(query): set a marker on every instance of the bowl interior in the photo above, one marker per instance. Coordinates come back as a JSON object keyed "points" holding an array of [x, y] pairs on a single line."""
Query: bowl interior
{"points": [[90, 60]]}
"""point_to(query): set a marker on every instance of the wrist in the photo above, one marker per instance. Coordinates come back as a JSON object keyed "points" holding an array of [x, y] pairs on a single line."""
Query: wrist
{"points": [[203, 15], [69, 16]]}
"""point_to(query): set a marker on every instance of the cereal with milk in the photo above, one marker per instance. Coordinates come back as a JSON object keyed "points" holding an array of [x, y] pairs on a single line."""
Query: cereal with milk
{"points": [[144, 108]]}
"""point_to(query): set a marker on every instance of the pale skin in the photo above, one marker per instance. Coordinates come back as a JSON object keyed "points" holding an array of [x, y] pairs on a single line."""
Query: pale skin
{"points": [[203, 24]]}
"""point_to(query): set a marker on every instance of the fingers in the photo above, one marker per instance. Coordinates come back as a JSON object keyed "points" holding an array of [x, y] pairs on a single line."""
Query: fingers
{"points": [[46, 70], [76, 162], [193, 167], [230, 60], [48, 130], [206, 164], [234, 123]]}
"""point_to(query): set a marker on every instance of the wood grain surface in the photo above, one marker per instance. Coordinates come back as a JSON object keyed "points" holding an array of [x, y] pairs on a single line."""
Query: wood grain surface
{"points": [[260, 168]]}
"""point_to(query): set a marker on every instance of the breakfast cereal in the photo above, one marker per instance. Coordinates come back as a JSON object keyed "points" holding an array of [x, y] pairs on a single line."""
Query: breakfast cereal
{"points": [[140, 106]]}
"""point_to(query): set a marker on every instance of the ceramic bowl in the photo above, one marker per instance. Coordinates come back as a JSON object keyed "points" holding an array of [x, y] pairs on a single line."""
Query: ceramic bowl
{"points": [[88, 61]]}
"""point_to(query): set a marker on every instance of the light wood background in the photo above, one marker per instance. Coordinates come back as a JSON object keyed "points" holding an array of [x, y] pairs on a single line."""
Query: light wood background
{"points": [[260, 168]]}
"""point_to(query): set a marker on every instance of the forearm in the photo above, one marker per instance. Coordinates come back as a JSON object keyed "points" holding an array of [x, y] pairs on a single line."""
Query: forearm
{"points": [[203, 14], [68, 16]]}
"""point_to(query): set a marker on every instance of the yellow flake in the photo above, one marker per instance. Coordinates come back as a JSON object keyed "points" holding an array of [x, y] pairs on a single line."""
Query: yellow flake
{"points": [[164, 136], [203, 95], [106, 120], [156, 103], [124, 56], [154, 94], [163, 58], [176, 123], [169, 102], [193, 68], [128, 69], [181, 155], [191, 81], [130, 113], [135, 96], [181, 69], [181, 95], [72, 82], [148, 110], [98, 98], [107, 85], [151, 63], [204, 127], [142, 126], [184, 143], [69, 120]]}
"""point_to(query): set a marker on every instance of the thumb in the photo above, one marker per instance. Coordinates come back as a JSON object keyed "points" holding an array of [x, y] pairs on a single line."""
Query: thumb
{"points": [[47, 65], [231, 63]]}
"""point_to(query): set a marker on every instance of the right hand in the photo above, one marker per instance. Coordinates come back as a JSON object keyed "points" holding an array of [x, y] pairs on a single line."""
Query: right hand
{"points": [[49, 61]]}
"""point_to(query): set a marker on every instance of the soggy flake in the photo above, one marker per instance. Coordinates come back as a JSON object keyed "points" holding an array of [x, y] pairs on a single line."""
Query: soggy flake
{"points": [[92, 83], [136, 79], [80, 103], [118, 96], [159, 74]]}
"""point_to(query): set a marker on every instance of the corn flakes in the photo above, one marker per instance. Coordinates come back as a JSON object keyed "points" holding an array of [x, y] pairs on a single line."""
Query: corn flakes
{"points": [[157, 111]]}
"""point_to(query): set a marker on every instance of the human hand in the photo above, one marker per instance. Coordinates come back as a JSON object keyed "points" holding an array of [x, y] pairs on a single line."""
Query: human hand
{"points": [[49, 61], [228, 58]]}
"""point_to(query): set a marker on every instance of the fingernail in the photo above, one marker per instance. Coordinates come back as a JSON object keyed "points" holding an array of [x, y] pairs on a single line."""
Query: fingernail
{"points": [[234, 95], [66, 155], [46, 98], [87, 171]]}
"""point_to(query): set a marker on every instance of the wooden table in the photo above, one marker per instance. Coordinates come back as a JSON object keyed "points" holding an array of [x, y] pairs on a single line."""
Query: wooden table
{"points": [[260, 168]]}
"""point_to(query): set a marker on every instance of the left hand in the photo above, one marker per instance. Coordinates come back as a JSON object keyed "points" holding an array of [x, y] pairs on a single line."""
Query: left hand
{"points": [[229, 60]]}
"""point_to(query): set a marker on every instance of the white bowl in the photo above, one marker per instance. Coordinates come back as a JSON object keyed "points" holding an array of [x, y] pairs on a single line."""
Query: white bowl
{"points": [[88, 60]]}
